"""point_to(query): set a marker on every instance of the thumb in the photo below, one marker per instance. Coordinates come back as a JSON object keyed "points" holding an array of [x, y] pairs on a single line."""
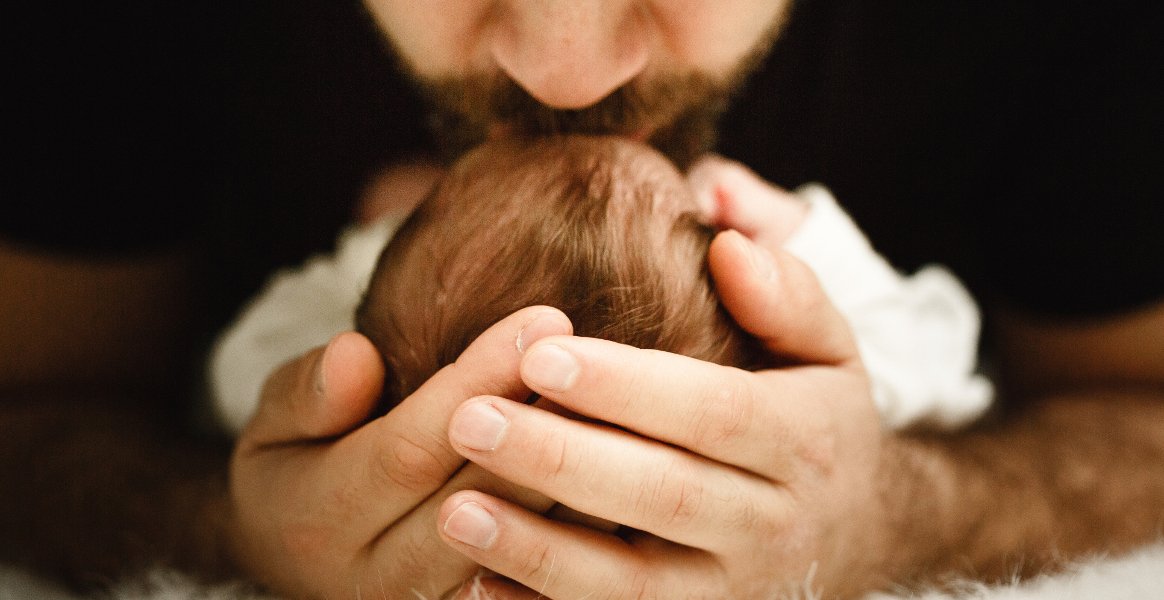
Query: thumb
{"points": [[777, 298], [731, 196], [324, 393]]}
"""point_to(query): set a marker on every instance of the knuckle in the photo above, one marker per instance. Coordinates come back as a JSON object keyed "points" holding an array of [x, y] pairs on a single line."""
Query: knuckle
{"points": [[727, 415], [684, 501], [637, 381], [538, 565], [634, 581], [674, 499], [409, 465], [781, 528], [557, 461], [642, 586], [751, 513], [745, 516], [818, 453], [688, 500]]}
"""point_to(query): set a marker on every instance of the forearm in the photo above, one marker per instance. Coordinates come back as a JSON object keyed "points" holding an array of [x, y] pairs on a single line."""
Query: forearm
{"points": [[94, 490], [1066, 476]]}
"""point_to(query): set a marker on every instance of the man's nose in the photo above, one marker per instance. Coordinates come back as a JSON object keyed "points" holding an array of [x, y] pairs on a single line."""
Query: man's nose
{"points": [[570, 54]]}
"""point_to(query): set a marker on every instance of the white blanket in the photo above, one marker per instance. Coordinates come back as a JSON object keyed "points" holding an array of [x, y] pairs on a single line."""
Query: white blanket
{"points": [[1137, 576], [918, 334]]}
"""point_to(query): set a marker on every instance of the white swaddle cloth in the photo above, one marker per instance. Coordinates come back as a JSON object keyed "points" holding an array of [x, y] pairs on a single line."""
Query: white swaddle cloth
{"points": [[296, 311], [918, 335]]}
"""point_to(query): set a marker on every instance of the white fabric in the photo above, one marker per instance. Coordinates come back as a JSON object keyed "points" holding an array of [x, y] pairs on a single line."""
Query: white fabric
{"points": [[298, 310], [917, 335], [1136, 576]]}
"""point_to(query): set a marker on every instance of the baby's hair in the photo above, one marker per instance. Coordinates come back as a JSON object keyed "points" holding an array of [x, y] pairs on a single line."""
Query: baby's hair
{"points": [[601, 228]]}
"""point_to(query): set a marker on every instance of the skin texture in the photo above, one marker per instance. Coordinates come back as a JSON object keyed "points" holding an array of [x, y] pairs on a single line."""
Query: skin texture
{"points": [[322, 504], [659, 71], [570, 55]]}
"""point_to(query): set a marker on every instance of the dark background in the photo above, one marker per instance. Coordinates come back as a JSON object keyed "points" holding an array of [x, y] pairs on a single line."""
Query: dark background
{"points": [[1017, 142]]}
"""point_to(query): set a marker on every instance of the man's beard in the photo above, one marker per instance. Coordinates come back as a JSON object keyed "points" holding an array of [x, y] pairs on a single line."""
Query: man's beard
{"points": [[678, 115]]}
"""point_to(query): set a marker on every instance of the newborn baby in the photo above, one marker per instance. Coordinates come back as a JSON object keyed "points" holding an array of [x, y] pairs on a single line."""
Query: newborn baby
{"points": [[602, 229], [606, 230]]}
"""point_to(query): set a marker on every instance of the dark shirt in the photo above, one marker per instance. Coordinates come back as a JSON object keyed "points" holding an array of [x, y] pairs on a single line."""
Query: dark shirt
{"points": [[1018, 144]]}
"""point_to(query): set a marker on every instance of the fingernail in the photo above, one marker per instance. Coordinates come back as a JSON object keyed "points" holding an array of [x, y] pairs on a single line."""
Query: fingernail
{"points": [[760, 259], [550, 367], [543, 324], [319, 381], [478, 426], [473, 525]]}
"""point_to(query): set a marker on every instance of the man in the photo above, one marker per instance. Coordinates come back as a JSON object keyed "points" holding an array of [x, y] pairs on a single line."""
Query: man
{"points": [[751, 482]]}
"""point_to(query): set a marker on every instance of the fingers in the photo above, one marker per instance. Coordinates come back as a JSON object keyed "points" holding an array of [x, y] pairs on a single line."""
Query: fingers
{"points": [[408, 556], [409, 547], [776, 298], [324, 393], [388, 466], [319, 502], [718, 412], [611, 474], [731, 196], [558, 560]]}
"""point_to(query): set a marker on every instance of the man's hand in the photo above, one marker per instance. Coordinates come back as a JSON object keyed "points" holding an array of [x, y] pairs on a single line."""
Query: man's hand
{"points": [[757, 477], [323, 506], [730, 483]]}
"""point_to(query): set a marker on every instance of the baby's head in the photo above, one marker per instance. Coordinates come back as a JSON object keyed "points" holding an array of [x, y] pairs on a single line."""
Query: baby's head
{"points": [[601, 228]]}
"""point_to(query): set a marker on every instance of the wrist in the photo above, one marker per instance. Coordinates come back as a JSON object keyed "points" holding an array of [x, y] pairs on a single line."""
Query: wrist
{"points": [[905, 524]]}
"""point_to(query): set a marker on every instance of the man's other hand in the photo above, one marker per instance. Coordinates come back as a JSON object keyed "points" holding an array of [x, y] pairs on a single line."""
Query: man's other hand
{"points": [[326, 504]]}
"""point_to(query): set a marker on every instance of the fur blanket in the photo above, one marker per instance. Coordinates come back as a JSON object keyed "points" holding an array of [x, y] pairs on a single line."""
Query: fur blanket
{"points": [[1136, 576]]}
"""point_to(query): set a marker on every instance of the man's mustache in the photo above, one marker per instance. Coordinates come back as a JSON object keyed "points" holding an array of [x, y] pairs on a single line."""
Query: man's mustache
{"points": [[470, 109]]}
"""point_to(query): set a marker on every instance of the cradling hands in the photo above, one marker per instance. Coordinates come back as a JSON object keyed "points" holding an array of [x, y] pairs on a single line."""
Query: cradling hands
{"points": [[729, 484], [324, 505]]}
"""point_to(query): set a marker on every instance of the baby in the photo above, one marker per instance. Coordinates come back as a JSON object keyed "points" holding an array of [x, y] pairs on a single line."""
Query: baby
{"points": [[601, 229], [607, 230]]}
